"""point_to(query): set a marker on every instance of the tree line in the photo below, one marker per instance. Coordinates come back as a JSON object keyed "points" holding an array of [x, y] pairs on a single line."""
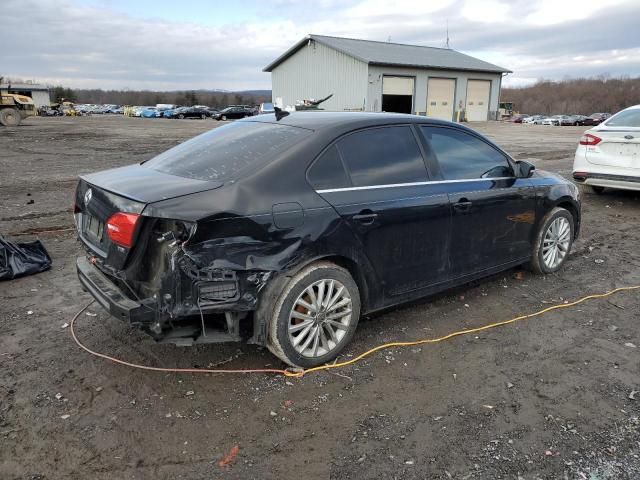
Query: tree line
{"points": [[582, 96], [214, 99]]}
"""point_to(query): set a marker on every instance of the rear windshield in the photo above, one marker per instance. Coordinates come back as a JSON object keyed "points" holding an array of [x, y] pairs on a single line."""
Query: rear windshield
{"points": [[626, 118], [226, 152]]}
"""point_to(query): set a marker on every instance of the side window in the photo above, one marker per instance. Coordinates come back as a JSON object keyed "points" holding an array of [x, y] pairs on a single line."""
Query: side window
{"points": [[385, 155], [328, 172], [462, 156]]}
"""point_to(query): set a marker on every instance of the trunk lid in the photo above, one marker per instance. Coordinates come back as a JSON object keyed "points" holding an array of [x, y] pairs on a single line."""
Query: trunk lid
{"points": [[145, 185], [618, 148], [128, 189]]}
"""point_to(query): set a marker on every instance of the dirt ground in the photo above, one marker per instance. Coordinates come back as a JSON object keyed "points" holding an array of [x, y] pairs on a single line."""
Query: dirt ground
{"points": [[553, 397]]}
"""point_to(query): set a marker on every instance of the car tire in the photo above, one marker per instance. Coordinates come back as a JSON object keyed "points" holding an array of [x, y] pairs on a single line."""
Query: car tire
{"points": [[203, 116], [553, 241], [223, 118], [322, 338], [10, 117], [181, 116], [591, 189]]}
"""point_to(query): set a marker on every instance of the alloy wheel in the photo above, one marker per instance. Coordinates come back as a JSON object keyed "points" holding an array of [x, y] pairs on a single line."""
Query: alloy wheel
{"points": [[555, 244], [320, 318]]}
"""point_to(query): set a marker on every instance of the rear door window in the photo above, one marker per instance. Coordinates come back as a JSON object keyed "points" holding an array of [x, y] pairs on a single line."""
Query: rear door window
{"points": [[383, 156], [328, 171], [226, 152], [626, 118], [462, 156]]}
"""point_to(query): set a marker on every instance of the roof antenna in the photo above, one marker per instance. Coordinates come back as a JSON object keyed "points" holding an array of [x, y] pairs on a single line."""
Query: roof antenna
{"points": [[447, 44]]}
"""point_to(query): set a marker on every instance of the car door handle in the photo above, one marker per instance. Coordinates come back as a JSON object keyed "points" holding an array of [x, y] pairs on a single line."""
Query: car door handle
{"points": [[463, 205], [366, 217]]}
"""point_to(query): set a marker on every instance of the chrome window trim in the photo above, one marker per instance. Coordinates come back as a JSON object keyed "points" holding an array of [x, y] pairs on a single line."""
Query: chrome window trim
{"points": [[412, 184]]}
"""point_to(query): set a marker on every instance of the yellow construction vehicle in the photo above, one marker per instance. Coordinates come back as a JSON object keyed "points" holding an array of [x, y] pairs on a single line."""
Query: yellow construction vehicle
{"points": [[14, 108]]}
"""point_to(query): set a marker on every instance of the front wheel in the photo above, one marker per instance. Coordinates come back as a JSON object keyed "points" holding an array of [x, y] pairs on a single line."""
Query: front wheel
{"points": [[181, 116], [10, 117], [224, 118], [315, 316], [203, 116], [553, 241]]}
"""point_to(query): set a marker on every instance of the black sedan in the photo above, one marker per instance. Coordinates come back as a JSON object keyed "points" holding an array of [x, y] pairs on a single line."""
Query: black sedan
{"points": [[234, 113], [285, 229], [189, 112]]}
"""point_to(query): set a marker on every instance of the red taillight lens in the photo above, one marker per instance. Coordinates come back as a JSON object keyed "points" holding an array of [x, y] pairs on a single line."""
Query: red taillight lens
{"points": [[589, 140], [121, 228]]}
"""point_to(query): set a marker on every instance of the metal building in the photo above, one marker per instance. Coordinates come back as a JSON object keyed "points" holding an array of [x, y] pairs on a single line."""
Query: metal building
{"points": [[39, 93], [382, 76]]}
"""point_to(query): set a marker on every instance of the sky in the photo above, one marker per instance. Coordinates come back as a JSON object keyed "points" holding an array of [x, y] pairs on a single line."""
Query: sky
{"points": [[200, 44]]}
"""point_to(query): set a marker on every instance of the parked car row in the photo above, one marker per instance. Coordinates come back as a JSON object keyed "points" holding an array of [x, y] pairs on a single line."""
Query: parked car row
{"points": [[560, 120], [203, 112]]}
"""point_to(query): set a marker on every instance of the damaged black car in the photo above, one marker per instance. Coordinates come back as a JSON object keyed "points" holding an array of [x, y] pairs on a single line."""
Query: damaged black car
{"points": [[282, 230]]}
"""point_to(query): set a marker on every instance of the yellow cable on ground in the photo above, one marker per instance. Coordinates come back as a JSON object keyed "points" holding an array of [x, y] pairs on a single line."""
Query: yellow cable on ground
{"points": [[302, 372]]}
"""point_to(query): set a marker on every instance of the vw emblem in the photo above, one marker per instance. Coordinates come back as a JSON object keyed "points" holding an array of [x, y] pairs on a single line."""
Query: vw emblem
{"points": [[87, 196], [629, 137]]}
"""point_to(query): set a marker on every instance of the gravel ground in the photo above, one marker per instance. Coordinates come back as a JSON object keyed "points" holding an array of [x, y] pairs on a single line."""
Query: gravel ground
{"points": [[550, 398]]}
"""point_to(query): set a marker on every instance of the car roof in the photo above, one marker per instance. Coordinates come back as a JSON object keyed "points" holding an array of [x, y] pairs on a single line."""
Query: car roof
{"points": [[324, 120]]}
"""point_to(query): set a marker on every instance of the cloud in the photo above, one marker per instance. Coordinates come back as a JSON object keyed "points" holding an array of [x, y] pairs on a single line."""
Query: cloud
{"points": [[100, 47]]}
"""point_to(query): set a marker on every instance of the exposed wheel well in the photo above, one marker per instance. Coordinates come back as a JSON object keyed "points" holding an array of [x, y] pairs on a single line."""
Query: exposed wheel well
{"points": [[574, 213]]}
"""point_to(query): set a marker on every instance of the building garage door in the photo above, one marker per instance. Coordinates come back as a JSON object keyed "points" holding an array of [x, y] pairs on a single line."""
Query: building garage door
{"points": [[441, 98], [478, 92], [397, 94]]}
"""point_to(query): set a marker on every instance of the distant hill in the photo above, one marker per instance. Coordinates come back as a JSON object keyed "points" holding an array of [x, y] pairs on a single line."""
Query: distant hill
{"points": [[582, 96]]}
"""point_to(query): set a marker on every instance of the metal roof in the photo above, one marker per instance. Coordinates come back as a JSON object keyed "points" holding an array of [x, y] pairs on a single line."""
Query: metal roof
{"points": [[397, 54]]}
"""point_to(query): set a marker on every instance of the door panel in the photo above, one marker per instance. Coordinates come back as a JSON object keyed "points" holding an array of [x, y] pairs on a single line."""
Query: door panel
{"points": [[492, 223], [478, 92], [493, 212], [441, 98], [397, 85], [404, 232]]}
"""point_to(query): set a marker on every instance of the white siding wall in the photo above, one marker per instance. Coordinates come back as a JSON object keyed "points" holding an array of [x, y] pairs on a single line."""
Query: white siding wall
{"points": [[41, 98], [315, 71], [376, 73]]}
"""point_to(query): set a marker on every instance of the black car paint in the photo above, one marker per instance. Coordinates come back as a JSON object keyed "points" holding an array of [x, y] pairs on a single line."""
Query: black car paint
{"points": [[257, 230], [190, 112], [234, 113]]}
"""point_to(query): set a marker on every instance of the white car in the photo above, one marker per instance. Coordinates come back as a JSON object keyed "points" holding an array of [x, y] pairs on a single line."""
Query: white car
{"points": [[609, 154], [554, 120], [534, 119]]}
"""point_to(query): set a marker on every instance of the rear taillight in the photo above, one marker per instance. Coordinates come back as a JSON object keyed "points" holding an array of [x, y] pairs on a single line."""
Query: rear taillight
{"points": [[121, 228], [589, 140]]}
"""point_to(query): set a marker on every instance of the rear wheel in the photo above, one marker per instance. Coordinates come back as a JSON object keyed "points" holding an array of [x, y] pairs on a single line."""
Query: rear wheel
{"points": [[553, 241], [10, 117], [315, 316], [203, 116], [181, 116]]}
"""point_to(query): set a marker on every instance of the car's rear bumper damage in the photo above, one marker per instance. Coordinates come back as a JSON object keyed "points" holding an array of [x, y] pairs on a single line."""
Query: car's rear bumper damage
{"points": [[179, 301], [112, 298]]}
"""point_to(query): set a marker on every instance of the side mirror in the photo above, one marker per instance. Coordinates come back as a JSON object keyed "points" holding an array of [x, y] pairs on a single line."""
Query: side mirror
{"points": [[525, 169]]}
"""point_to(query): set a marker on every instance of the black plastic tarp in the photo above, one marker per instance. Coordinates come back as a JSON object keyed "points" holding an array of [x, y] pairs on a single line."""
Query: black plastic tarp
{"points": [[19, 259]]}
